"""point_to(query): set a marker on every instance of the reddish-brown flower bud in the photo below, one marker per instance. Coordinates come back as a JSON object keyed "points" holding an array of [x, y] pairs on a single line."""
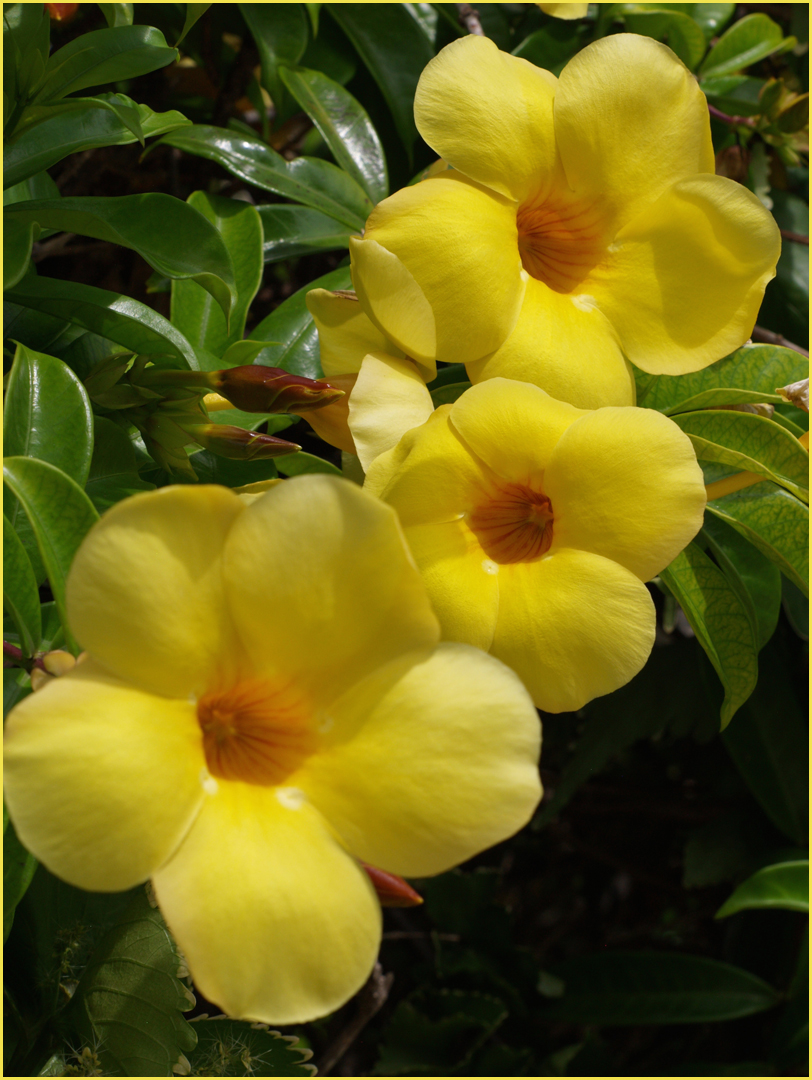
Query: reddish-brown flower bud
{"points": [[62, 12], [392, 890], [235, 442], [256, 388]]}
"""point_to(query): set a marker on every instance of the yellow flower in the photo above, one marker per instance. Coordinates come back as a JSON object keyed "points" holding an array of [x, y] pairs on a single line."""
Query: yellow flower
{"points": [[565, 11], [535, 524], [263, 705], [581, 225]]}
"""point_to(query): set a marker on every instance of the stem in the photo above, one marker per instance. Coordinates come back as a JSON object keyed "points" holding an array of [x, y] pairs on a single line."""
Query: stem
{"points": [[768, 337], [19, 659], [746, 120], [469, 17], [370, 999], [797, 237]]}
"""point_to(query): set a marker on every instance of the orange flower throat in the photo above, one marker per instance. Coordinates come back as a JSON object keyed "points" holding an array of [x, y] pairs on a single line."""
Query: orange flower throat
{"points": [[560, 240], [516, 525]]}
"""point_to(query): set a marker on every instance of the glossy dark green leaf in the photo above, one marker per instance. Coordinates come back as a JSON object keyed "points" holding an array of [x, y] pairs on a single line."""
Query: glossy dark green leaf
{"points": [[720, 621], [552, 46], [751, 443], [60, 514], [113, 468], [193, 13], [119, 318], [18, 239], [292, 325], [42, 146], [18, 869], [238, 1046], [711, 17], [618, 988], [684, 36], [20, 593], [124, 109], [310, 181], [297, 230], [395, 50], [301, 463], [136, 961], [26, 31], [103, 56], [755, 580], [747, 41], [782, 885], [239, 230], [775, 522], [751, 374], [172, 236], [39, 186], [448, 393], [344, 125], [212, 469], [117, 14], [280, 33]]}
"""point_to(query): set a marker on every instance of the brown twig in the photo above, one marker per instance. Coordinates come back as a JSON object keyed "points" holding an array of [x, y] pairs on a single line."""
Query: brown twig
{"points": [[748, 121], [19, 659], [51, 247], [768, 337], [469, 17], [370, 999], [799, 238]]}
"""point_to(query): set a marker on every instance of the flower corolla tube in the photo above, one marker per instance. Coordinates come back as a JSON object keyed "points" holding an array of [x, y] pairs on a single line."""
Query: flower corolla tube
{"points": [[264, 705], [535, 525], [580, 225]]}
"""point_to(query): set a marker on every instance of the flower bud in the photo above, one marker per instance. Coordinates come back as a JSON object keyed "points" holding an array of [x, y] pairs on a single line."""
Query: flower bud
{"points": [[256, 388], [392, 890], [235, 442]]}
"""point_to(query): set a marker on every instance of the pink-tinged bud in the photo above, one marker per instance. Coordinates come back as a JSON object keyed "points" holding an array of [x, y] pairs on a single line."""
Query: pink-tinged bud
{"points": [[235, 442], [259, 389], [392, 890]]}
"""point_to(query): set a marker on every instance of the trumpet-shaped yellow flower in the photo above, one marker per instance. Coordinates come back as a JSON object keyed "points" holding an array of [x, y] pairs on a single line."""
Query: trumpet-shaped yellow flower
{"points": [[264, 704], [535, 524], [581, 225]]}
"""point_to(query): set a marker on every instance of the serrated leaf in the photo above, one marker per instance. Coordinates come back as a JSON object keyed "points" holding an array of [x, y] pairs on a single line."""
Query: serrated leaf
{"points": [[747, 41], [20, 593], [246, 1049], [289, 231], [782, 885], [720, 622]]}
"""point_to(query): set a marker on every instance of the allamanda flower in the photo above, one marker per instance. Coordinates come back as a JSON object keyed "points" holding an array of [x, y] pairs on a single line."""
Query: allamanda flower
{"points": [[580, 226], [535, 524], [264, 704]]}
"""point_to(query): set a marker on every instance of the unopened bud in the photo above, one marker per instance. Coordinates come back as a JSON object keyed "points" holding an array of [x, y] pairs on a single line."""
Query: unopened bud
{"points": [[392, 890], [62, 12], [58, 662], [259, 389], [235, 442]]}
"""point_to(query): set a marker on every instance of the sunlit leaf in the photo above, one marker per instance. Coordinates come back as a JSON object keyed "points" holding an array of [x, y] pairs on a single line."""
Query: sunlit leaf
{"points": [[782, 885], [748, 40], [297, 230]]}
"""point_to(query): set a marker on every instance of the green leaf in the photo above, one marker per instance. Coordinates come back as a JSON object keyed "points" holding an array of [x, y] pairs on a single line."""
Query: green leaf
{"points": [[618, 988], [773, 521], [344, 125], [291, 324], [751, 443], [113, 468], [297, 230], [193, 13], [20, 593], [26, 33], [300, 463], [782, 885], [42, 146], [711, 17], [239, 231], [553, 45], [39, 186], [395, 50], [754, 579], [117, 14], [236, 1047], [212, 469], [135, 962], [18, 869], [751, 374], [60, 514], [448, 393], [18, 239], [280, 33], [747, 41], [310, 181], [796, 608], [676, 28], [720, 622], [102, 56], [119, 318], [121, 106]]}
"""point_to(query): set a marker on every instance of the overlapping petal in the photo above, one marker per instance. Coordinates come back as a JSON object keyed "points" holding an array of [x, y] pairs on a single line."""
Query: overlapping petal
{"points": [[276, 921], [625, 484], [389, 398], [573, 626], [102, 780], [346, 333], [490, 115], [443, 766], [163, 623]]}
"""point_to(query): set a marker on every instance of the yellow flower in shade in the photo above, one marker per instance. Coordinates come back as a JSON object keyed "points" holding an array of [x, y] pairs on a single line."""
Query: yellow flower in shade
{"points": [[581, 225], [565, 11], [535, 524], [264, 704]]}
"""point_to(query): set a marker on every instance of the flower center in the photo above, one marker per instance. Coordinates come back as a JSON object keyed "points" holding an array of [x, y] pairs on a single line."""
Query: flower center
{"points": [[560, 240], [514, 526], [258, 731]]}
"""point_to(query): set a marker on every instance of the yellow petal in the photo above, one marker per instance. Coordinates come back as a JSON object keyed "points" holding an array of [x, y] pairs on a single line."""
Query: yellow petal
{"points": [[512, 426], [431, 475], [331, 422], [573, 626], [389, 399], [438, 270], [440, 762], [568, 349], [489, 114], [625, 483], [322, 586], [461, 581], [630, 120], [102, 781], [277, 923], [688, 275], [145, 592], [565, 11], [346, 334]]}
